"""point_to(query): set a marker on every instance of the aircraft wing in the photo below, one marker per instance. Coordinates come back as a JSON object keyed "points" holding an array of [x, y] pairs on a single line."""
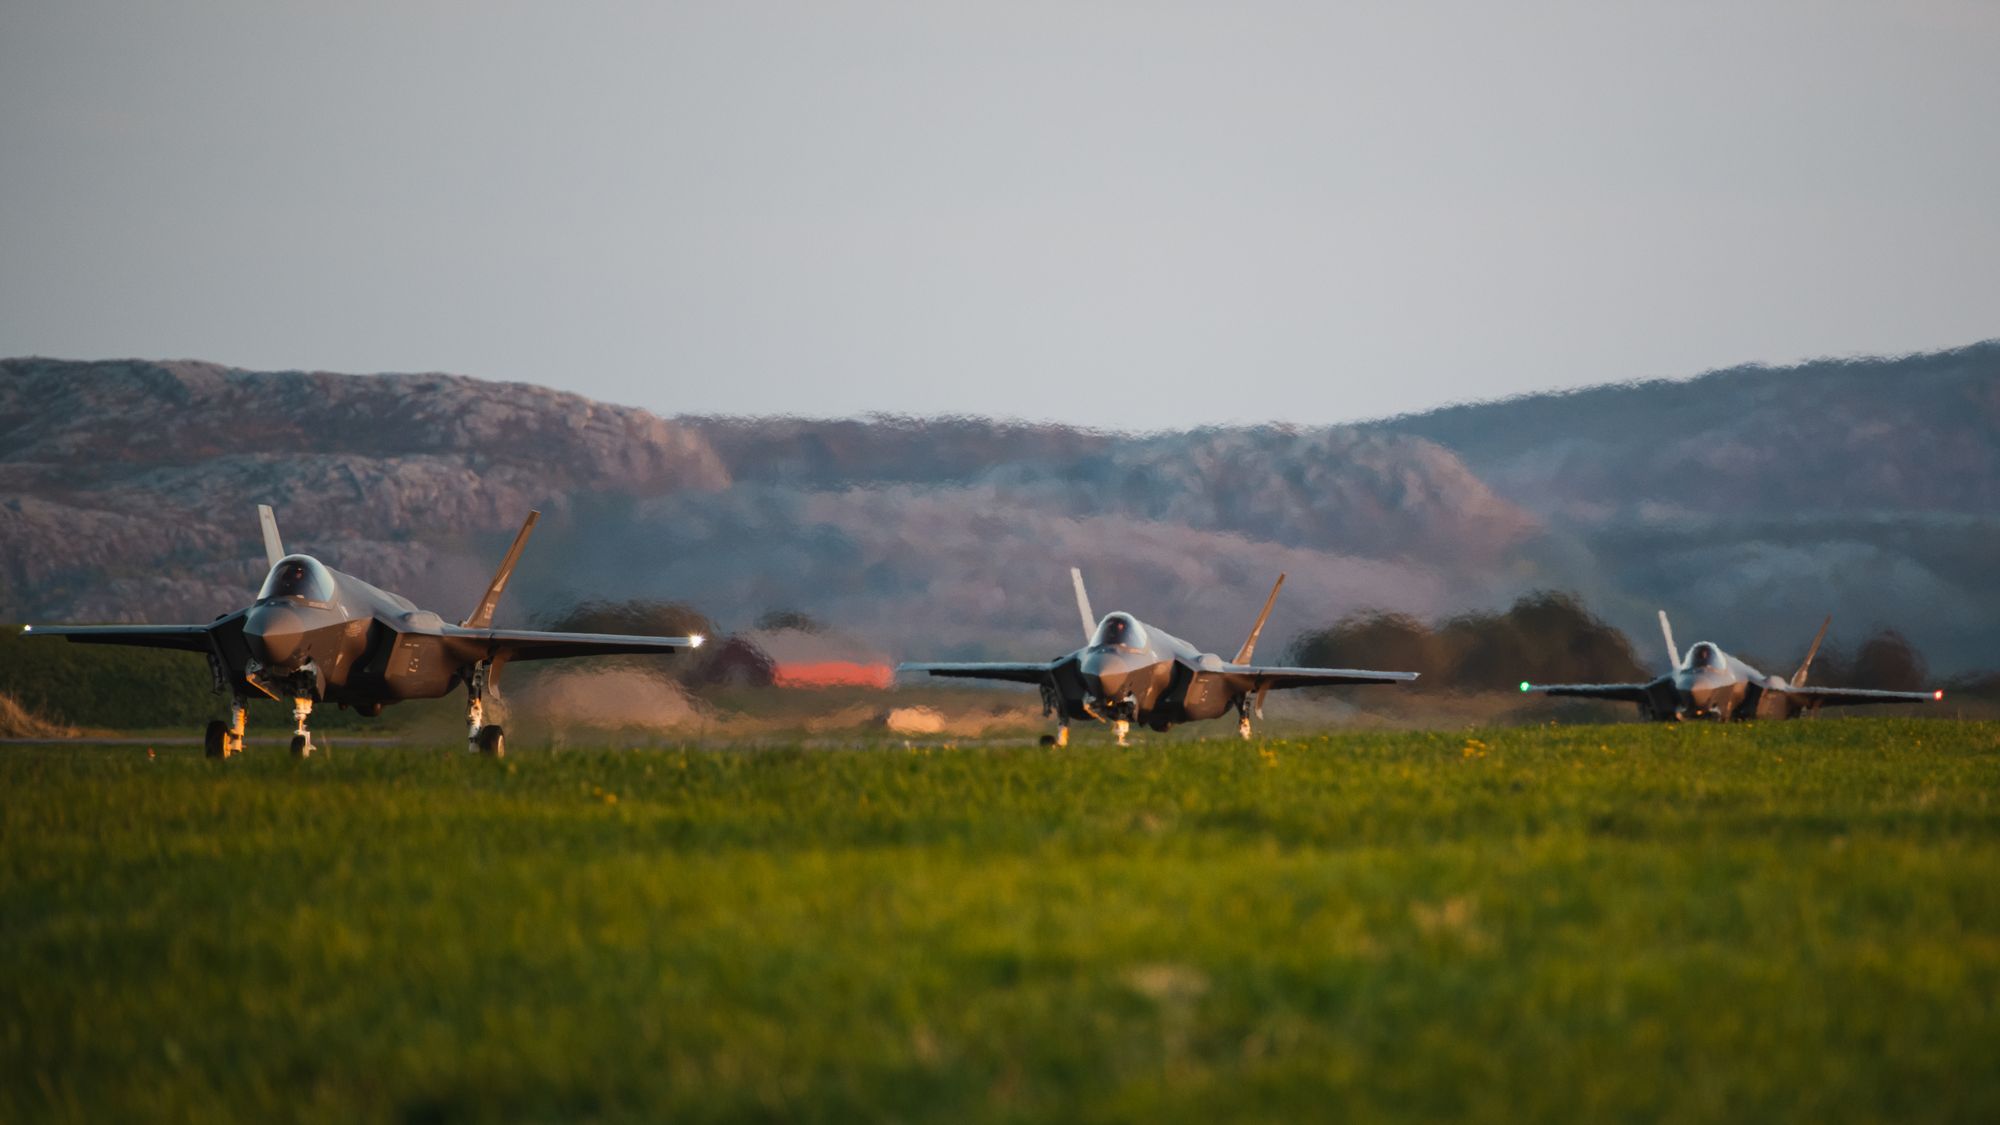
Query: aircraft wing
{"points": [[188, 638], [1026, 673], [1841, 697], [1264, 677], [528, 644], [1628, 693], [1655, 697]]}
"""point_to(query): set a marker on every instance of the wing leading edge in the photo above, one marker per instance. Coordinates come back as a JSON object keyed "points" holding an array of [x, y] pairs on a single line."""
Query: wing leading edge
{"points": [[1849, 697], [1265, 677], [1627, 693], [1020, 673], [187, 638], [529, 644]]}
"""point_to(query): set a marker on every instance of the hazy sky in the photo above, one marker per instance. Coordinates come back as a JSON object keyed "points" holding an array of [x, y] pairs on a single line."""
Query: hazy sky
{"points": [[1119, 214]]}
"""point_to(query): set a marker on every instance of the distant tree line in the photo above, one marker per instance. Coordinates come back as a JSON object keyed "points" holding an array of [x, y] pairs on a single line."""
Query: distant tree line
{"points": [[639, 616], [1549, 637], [1886, 660], [1546, 636], [643, 617], [649, 617]]}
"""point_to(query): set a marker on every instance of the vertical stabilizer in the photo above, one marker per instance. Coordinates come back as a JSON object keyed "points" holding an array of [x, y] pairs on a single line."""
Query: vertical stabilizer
{"points": [[274, 549], [482, 616], [1083, 604], [1667, 631], [1799, 677], [1250, 645]]}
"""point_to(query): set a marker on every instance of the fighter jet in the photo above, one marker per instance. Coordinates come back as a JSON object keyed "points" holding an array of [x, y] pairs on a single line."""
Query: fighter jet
{"points": [[1711, 684], [315, 635], [1129, 672]]}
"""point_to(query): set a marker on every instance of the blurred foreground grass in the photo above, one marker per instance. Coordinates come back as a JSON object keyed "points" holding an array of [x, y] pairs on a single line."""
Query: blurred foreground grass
{"points": [[1688, 923]]}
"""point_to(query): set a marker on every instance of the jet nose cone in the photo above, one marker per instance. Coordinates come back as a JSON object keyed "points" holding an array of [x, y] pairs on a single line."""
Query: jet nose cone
{"points": [[276, 635], [1105, 673], [1699, 691]]}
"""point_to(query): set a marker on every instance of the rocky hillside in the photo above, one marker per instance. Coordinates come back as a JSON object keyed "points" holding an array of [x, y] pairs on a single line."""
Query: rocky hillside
{"points": [[1915, 434], [127, 489], [1747, 502], [1750, 502], [127, 492]]}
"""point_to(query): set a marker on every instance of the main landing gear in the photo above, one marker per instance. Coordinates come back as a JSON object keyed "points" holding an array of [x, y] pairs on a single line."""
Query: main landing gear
{"points": [[224, 740], [1052, 704], [1061, 737], [480, 738], [1248, 704]]}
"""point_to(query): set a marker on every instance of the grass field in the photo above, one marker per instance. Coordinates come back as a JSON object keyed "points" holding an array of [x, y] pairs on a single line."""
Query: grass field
{"points": [[1693, 923]]}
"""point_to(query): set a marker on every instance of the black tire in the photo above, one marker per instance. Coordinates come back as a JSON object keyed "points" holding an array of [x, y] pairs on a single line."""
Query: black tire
{"points": [[1048, 740], [215, 740], [492, 741], [302, 746]]}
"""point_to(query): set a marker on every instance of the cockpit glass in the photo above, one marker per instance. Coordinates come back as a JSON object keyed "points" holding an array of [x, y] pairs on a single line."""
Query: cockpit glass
{"points": [[1701, 656], [297, 576], [1120, 631]]}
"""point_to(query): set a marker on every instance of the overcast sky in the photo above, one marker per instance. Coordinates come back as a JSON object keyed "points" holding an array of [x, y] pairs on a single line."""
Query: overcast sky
{"points": [[1131, 215]]}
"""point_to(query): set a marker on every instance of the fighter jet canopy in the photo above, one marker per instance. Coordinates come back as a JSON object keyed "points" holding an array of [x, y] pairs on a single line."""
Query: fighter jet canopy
{"points": [[1703, 655], [1119, 630], [298, 576]]}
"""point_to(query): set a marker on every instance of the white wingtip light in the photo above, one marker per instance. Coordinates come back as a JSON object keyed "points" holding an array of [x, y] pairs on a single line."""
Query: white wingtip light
{"points": [[696, 640], [27, 628], [1938, 695]]}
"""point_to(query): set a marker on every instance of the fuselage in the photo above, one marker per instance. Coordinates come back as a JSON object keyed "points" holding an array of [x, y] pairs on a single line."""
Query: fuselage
{"points": [[1711, 684], [1135, 672], [317, 632]]}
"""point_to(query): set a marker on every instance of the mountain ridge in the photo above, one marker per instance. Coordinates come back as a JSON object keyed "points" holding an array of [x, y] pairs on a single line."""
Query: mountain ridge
{"points": [[125, 487]]}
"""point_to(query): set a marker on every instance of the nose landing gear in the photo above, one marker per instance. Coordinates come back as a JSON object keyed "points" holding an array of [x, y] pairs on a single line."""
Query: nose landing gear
{"points": [[302, 739], [1121, 713]]}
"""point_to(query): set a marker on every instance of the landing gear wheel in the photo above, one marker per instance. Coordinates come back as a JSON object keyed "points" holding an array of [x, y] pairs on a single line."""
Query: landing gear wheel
{"points": [[492, 741], [1048, 740], [302, 739], [215, 740]]}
